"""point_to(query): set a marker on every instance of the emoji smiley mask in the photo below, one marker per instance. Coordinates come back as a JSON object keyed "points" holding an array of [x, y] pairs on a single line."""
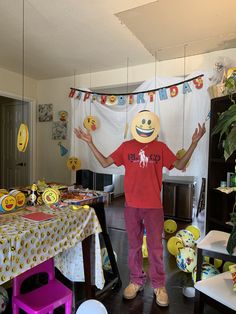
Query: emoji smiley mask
{"points": [[145, 126]]}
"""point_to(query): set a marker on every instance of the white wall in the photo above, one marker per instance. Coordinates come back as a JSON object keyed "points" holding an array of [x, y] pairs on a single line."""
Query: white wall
{"points": [[53, 167], [49, 164]]}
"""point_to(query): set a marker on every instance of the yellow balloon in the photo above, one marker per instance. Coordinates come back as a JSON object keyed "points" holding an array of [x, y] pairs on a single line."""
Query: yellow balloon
{"points": [[195, 231], [50, 196], [180, 153], [226, 266], [174, 244], [216, 262], [170, 226], [144, 247]]}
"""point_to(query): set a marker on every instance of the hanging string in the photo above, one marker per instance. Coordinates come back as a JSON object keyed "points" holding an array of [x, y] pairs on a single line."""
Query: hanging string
{"points": [[90, 96], [126, 105], [74, 117], [184, 96], [155, 103], [23, 58]]}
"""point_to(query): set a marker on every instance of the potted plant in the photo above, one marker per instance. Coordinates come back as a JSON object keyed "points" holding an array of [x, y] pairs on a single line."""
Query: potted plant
{"points": [[226, 127], [226, 123]]}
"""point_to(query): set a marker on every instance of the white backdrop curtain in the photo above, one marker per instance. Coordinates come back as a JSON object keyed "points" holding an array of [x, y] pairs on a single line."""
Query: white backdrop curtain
{"points": [[178, 116]]}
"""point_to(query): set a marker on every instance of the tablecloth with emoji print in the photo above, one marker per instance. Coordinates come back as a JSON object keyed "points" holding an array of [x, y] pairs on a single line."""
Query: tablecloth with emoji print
{"points": [[26, 243]]}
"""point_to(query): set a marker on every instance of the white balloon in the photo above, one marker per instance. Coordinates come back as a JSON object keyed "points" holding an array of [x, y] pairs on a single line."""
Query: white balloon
{"points": [[91, 306]]}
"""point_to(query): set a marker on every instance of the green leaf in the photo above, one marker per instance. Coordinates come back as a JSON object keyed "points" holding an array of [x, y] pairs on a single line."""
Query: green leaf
{"points": [[232, 241], [230, 143]]}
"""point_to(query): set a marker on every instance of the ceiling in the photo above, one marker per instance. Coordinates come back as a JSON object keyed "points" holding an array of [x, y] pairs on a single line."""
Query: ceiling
{"points": [[63, 37]]}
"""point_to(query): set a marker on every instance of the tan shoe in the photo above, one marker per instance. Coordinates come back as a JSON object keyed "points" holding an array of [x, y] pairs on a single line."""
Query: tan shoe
{"points": [[161, 296], [131, 291]]}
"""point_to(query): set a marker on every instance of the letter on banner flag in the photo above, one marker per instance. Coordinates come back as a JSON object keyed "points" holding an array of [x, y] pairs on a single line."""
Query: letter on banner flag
{"points": [[86, 96], [186, 88], [198, 82], [103, 99], [94, 97], [174, 91], [72, 92], [140, 98], [79, 94], [151, 96], [131, 99], [121, 100], [162, 93]]}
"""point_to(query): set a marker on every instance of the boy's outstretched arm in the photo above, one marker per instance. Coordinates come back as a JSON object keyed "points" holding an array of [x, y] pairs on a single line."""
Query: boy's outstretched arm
{"points": [[197, 135], [86, 137]]}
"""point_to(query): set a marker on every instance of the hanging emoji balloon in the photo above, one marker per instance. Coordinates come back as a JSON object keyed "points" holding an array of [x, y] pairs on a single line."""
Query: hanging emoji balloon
{"points": [[145, 126], [90, 123], [73, 163], [180, 153], [22, 137]]}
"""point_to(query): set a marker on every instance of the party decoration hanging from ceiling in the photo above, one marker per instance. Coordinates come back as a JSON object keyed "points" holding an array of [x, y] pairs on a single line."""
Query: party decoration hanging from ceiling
{"points": [[91, 123], [73, 163], [63, 149], [22, 137], [23, 132]]}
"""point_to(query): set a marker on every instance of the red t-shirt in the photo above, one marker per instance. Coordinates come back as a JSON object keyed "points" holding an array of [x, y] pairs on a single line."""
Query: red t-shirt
{"points": [[143, 171]]}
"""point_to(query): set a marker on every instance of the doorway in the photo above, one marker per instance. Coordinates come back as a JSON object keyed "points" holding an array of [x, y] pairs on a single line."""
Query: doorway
{"points": [[14, 165]]}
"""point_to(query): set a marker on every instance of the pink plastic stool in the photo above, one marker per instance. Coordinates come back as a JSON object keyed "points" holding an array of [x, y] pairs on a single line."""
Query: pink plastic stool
{"points": [[44, 299]]}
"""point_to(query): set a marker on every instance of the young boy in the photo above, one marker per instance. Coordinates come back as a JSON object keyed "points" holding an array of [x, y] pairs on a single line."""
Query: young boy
{"points": [[143, 158]]}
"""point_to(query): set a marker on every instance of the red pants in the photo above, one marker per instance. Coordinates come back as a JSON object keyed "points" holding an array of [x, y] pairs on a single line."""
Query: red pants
{"points": [[153, 221]]}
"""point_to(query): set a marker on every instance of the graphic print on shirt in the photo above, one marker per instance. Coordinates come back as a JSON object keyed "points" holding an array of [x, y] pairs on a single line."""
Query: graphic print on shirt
{"points": [[143, 161]]}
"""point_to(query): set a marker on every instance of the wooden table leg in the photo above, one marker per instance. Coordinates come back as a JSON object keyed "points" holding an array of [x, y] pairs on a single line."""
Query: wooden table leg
{"points": [[89, 288]]}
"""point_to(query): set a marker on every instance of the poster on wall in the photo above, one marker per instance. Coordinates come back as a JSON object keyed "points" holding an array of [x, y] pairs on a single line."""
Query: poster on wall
{"points": [[59, 130], [45, 112]]}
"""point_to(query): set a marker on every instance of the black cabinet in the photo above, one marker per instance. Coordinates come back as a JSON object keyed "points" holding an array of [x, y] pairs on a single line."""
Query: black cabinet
{"points": [[92, 180], [177, 197], [219, 204]]}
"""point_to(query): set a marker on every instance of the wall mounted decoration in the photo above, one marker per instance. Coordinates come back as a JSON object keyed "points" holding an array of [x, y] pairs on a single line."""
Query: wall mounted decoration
{"points": [[45, 112], [59, 130]]}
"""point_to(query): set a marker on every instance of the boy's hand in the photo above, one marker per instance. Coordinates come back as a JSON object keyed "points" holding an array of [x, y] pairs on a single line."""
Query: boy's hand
{"points": [[198, 133], [83, 136]]}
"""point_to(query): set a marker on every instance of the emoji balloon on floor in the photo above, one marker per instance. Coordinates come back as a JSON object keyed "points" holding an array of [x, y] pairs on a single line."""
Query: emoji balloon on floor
{"points": [[91, 306]]}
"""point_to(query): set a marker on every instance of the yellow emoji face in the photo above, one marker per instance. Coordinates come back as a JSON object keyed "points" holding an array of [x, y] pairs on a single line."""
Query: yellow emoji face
{"points": [[8, 203], [50, 196], [22, 137], [90, 123], [174, 244], [145, 126], [112, 99], [19, 196], [73, 163]]}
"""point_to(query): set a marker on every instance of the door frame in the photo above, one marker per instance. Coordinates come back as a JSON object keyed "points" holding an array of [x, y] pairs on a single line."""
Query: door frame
{"points": [[32, 144]]}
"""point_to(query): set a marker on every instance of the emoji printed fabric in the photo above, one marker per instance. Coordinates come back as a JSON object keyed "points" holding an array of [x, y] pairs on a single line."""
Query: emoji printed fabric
{"points": [[25, 243]]}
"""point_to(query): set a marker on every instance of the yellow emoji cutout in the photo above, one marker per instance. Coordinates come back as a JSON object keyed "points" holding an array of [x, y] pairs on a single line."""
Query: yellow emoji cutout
{"points": [[145, 126], [22, 137], [8, 203], [3, 192], [19, 196], [90, 123], [50, 196], [73, 163]]}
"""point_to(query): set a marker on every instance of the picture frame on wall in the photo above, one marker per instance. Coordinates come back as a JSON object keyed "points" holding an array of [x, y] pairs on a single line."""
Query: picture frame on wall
{"points": [[45, 112]]}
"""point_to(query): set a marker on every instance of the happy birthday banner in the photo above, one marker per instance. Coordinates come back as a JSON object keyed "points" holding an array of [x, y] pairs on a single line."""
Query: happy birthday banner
{"points": [[139, 97]]}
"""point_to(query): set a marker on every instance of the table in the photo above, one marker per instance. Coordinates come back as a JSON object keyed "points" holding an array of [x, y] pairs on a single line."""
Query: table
{"points": [[25, 243]]}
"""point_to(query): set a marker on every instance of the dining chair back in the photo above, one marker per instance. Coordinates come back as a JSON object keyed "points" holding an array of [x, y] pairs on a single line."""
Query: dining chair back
{"points": [[43, 299]]}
